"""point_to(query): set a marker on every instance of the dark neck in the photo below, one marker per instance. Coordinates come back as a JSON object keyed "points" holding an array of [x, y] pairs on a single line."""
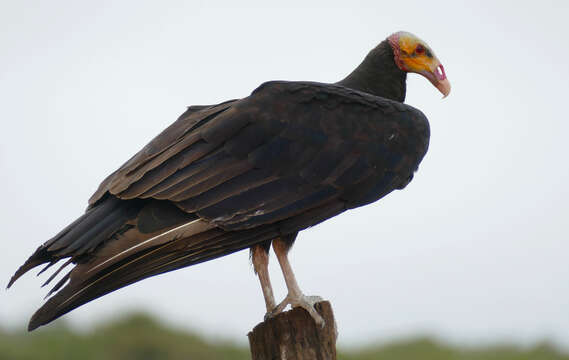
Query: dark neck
{"points": [[378, 75]]}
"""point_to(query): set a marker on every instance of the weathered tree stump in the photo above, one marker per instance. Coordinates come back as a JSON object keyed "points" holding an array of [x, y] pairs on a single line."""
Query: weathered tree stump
{"points": [[293, 335]]}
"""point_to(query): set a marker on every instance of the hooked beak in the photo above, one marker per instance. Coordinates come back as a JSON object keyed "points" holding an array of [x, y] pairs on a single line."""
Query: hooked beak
{"points": [[444, 87], [439, 79]]}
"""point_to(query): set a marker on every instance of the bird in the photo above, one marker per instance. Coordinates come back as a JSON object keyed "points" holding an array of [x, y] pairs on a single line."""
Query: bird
{"points": [[247, 173]]}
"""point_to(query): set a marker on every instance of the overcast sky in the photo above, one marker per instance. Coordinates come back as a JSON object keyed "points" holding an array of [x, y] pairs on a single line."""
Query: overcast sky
{"points": [[474, 249]]}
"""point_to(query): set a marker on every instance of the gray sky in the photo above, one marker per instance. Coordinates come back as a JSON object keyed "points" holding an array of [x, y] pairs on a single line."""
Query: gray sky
{"points": [[475, 249]]}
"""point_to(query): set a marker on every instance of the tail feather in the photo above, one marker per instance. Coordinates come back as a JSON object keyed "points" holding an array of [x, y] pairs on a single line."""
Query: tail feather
{"points": [[65, 264], [69, 236], [85, 285], [71, 242], [119, 242]]}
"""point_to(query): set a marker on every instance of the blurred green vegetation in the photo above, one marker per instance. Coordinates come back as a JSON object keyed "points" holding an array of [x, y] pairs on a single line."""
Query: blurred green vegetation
{"points": [[140, 337]]}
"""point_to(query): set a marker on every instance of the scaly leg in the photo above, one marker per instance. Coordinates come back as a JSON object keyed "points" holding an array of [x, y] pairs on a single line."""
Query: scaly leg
{"points": [[260, 259], [295, 296]]}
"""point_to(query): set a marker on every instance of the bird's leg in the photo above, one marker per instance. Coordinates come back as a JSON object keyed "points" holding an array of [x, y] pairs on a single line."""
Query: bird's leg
{"points": [[295, 297], [260, 259]]}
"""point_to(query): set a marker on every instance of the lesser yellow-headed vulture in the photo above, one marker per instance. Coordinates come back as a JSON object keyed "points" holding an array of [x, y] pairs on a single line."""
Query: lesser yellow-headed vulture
{"points": [[245, 174]]}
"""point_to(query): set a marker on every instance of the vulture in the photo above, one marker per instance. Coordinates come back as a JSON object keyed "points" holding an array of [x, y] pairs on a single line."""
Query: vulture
{"points": [[248, 173]]}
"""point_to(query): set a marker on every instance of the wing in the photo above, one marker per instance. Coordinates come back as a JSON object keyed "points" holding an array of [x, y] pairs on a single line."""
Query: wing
{"points": [[287, 148], [224, 177]]}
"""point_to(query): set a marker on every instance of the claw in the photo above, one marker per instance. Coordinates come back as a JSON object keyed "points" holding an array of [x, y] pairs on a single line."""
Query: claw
{"points": [[303, 301], [269, 315]]}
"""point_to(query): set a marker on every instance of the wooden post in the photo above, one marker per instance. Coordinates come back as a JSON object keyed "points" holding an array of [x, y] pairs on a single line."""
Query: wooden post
{"points": [[293, 335]]}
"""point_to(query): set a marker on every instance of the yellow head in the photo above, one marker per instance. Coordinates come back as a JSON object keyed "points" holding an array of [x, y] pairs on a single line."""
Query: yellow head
{"points": [[414, 55]]}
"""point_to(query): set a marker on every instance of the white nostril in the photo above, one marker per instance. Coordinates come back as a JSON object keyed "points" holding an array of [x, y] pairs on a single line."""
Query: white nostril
{"points": [[441, 72]]}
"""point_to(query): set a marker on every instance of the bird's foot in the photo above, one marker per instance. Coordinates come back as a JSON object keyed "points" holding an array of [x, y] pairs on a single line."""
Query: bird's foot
{"points": [[268, 315], [303, 301]]}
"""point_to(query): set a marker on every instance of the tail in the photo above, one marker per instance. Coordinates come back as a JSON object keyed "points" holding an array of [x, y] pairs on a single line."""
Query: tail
{"points": [[81, 237], [154, 237]]}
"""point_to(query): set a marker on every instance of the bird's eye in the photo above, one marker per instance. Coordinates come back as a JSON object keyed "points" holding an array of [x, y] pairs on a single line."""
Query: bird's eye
{"points": [[420, 49]]}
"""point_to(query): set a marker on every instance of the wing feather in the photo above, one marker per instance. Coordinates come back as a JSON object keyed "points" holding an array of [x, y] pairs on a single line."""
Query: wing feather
{"points": [[194, 117], [245, 158], [167, 169], [203, 181]]}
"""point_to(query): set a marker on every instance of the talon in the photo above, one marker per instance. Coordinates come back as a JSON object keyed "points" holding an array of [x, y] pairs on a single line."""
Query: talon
{"points": [[282, 305], [315, 299], [306, 302]]}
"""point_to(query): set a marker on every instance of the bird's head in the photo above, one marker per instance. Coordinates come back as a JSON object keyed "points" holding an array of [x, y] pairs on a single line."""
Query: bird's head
{"points": [[414, 55]]}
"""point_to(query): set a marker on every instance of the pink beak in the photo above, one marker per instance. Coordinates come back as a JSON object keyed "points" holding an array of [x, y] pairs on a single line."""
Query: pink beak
{"points": [[443, 84], [439, 79], [444, 87]]}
